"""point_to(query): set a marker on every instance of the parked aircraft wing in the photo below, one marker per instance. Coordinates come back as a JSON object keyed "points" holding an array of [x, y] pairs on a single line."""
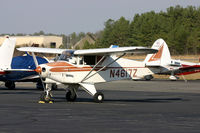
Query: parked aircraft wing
{"points": [[12, 70], [188, 69], [108, 51], [99, 51], [41, 50]]}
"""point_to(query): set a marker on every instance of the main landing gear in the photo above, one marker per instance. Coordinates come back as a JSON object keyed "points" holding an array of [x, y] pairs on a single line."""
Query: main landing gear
{"points": [[98, 97], [10, 85], [71, 94], [90, 88]]}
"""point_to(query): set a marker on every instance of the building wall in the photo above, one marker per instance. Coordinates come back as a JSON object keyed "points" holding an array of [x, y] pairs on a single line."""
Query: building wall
{"points": [[49, 39], [81, 43], [40, 40]]}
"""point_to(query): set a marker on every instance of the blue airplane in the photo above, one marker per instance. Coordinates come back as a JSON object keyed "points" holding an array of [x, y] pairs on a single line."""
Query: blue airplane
{"points": [[19, 68]]}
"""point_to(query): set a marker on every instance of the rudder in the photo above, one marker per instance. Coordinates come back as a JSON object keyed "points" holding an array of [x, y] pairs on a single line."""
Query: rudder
{"points": [[6, 53], [162, 57]]}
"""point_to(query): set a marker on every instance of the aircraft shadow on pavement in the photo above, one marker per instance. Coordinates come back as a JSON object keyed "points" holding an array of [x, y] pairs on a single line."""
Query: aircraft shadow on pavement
{"points": [[17, 89], [147, 100], [18, 92]]}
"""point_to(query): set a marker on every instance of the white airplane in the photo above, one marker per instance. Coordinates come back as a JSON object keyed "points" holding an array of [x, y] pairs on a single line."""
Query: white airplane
{"points": [[84, 68], [161, 63]]}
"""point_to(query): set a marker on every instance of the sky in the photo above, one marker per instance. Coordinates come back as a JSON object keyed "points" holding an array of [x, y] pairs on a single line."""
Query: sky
{"points": [[68, 16]]}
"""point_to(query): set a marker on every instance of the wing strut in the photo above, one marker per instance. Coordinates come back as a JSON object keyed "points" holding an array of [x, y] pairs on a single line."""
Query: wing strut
{"points": [[87, 76], [35, 59], [93, 68]]}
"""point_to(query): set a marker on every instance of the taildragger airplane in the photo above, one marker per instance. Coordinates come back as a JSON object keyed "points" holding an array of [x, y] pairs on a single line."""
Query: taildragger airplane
{"points": [[161, 62], [19, 68], [84, 68]]}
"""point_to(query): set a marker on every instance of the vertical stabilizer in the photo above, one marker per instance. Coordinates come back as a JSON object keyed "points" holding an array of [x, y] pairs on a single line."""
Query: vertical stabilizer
{"points": [[6, 53], [162, 57]]}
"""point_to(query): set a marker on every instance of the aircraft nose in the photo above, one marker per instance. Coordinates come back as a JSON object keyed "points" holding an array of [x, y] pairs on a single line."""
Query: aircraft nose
{"points": [[38, 69]]}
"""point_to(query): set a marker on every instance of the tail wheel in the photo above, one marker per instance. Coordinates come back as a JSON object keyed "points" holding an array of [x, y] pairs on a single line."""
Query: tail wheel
{"points": [[70, 96], [98, 97]]}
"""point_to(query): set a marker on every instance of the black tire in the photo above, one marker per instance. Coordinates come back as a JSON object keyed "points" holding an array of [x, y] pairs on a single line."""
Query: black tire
{"points": [[98, 97], [10, 85], [54, 87], [148, 77], [71, 96]]}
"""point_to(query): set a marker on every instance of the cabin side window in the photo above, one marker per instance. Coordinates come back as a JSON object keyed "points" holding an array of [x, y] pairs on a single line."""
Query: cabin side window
{"points": [[90, 60]]}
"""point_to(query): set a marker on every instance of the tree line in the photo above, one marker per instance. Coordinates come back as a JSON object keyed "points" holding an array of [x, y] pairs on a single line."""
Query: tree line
{"points": [[178, 26]]}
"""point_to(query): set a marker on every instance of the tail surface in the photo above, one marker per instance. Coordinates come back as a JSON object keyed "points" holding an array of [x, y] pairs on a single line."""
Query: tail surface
{"points": [[162, 57], [6, 53]]}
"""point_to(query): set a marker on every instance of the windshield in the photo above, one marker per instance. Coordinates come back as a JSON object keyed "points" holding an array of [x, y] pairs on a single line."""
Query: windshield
{"points": [[67, 56]]}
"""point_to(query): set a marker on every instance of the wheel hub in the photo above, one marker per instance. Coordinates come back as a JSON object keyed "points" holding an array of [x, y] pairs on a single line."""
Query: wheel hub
{"points": [[100, 97]]}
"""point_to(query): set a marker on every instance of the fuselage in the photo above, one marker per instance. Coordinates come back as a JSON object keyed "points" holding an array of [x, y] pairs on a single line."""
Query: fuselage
{"points": [[21, 62], [86, 71]]}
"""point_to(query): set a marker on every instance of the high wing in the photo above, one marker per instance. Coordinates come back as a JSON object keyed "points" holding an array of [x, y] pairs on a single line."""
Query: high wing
{"points": [[108, 51], [42, 50], [99, 51], [14, 70]]}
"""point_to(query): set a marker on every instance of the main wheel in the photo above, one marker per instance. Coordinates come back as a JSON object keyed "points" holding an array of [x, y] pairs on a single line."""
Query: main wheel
{"points": [[54, 87], [70, 96], [10, 85], [98, 97]]}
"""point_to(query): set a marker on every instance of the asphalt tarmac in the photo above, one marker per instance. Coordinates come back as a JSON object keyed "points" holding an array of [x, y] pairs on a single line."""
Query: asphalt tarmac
{"points": [[129, 106]]}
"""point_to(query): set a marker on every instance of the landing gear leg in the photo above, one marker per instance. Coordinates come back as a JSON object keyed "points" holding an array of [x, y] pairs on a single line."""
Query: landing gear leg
{"points": [[46, 96], [90, 88], [173, 77], [54, 87]]}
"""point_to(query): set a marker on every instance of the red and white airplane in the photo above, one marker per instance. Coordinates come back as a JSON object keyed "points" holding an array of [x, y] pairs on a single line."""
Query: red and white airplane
{"points": [[161, 62], [84, 68]]}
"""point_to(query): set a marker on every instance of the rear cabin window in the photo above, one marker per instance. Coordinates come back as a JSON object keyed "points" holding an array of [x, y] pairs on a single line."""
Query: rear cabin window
{"points": [[90, 60]]}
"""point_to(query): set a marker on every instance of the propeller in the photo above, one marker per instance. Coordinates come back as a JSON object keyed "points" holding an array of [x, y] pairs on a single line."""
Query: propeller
{"points": [[46, 96]]}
